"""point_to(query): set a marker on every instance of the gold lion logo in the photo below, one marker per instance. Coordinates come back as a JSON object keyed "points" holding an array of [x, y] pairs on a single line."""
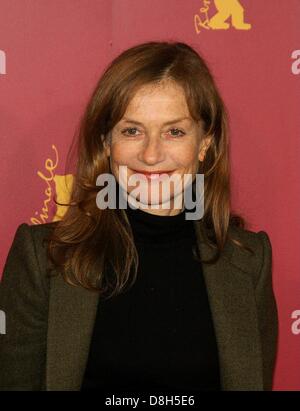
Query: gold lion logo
{"points": [[225, 10], [63, 186]]}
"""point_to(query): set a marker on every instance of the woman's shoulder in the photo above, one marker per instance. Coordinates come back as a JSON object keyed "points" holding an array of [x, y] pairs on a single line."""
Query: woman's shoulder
{"points": [[26, 262], [248, 236], [257, 241], [40, 229], [36, 232], [28, 243]]}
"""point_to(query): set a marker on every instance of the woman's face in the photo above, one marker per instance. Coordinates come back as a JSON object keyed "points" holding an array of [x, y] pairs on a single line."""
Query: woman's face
{"points": [[156, 135]]}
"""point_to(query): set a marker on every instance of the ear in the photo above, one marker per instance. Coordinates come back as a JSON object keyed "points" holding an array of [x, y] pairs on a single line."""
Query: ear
{"points": [[205, 143]]}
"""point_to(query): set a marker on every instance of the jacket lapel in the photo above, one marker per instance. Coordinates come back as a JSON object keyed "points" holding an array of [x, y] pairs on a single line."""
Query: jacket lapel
{"points": [[233, 306], [72, 312]]}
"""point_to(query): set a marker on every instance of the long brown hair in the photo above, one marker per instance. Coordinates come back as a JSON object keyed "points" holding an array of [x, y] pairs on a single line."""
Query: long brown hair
{"points": [[94, 248]]}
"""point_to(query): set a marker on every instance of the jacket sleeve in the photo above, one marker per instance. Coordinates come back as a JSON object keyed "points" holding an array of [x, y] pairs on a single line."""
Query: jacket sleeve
{"points": [[24, 305], [267, 312]]}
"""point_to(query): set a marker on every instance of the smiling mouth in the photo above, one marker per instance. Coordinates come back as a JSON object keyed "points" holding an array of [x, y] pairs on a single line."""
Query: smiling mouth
{"points": [[153, 172], [153, 175]]}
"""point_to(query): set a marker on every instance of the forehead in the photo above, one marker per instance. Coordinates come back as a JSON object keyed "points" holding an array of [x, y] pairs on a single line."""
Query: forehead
{"points": [[160, 100]]}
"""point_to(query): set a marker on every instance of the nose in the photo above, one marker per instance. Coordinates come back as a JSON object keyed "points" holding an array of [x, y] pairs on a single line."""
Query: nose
{"points": [[152, 151]]}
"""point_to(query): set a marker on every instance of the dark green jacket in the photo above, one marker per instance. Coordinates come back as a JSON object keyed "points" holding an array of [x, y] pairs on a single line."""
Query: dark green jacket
{"points": [[49, 323]]}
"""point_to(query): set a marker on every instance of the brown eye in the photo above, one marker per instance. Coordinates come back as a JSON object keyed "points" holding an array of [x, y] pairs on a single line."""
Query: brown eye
{"points": [[178, 132], [130, 131]]}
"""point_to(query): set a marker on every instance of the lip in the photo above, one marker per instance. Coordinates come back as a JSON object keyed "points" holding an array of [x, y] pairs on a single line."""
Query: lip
{"points": [[153, 175]]}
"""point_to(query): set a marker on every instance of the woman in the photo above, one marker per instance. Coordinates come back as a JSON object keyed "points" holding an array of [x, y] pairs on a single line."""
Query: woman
{"points": [[113, 298]]}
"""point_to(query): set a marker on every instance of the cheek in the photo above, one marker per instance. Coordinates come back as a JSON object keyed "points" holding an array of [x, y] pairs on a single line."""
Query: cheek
{"points": [[186, 157], [121, 153]]}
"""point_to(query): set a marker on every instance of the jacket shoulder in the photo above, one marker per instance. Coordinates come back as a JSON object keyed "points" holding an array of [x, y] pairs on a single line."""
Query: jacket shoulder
{"points": [[39, 233], [260, 244], [41, 230], [28, 245]]}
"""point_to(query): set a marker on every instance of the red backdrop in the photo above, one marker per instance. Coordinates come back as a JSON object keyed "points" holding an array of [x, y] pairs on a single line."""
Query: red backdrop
{"points": [[53, 52]]}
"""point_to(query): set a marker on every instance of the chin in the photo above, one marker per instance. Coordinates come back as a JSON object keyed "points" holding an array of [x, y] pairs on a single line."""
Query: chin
{"points": [[156, 201]]}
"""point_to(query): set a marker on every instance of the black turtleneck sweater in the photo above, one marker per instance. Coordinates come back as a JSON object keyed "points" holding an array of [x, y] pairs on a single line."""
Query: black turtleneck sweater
{"points": [[158, 335]]}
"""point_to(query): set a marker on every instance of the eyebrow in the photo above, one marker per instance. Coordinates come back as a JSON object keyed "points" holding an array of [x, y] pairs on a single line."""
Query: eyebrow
{"points": [[175, 120]]}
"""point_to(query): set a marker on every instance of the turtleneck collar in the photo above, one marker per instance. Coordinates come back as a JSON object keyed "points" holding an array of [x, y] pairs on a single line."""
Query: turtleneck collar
{"points": [[153, 228], [157, 229]]}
